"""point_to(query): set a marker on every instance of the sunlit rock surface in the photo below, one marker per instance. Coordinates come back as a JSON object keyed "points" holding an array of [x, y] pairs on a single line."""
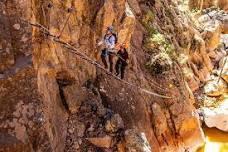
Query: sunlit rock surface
{"points": [[83, 109]]}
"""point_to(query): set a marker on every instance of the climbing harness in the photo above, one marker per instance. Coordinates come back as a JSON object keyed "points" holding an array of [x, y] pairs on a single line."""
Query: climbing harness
{"points": [[83, 56]]}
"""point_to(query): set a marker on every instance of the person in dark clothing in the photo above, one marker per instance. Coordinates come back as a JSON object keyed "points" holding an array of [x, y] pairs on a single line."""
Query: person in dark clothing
{"points": [[122, 61]]}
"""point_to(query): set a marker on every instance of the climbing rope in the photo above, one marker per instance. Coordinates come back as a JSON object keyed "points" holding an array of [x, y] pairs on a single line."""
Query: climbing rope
{"points": [[83, 56]]}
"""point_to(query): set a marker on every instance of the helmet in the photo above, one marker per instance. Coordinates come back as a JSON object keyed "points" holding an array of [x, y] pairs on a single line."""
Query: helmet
{"points": [[110, 28]]}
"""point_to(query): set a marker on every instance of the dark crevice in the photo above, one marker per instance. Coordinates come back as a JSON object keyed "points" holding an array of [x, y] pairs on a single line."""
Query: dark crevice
{"points": [[62, 97], [104, 98], [164, 139], [99, 5], [63, 80]]}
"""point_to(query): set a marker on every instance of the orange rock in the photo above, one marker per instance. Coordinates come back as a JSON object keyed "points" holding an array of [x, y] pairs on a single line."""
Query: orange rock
{"points": [[104, 142], [225, 78]]}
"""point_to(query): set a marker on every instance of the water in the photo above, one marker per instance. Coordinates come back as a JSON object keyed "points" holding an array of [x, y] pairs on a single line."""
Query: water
{"points": [[216, 141]]}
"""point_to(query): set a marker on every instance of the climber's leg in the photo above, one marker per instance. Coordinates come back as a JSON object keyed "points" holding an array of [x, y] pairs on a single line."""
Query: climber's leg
{"points": [[117, 67], [103, 58], [111, 57], [123, 67]]}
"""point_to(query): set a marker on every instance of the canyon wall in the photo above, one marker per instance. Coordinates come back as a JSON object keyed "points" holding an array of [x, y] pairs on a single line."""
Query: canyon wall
{"points": [[77, 102]]}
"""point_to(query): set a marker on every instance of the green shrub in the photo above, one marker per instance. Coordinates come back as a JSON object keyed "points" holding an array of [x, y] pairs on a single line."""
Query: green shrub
{"points": [[159, 48], [159, 64], [148, 18], [157, 41]]}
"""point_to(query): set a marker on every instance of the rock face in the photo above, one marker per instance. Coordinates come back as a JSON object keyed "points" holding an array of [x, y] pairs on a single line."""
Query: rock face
{"points": [[26, 123], [202, 4], [15, 35], [80, 102], [73, 97]]}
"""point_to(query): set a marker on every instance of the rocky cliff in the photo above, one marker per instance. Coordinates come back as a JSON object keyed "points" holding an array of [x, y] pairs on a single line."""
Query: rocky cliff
{"points": [[60, 102]]}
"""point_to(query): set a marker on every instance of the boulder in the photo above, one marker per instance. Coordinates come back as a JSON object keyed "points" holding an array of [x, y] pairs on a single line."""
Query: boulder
{"points": [[212, 35], [74, 97], [114, 124], [217, 117], [136, 142], [103, 142], [214, 89]]}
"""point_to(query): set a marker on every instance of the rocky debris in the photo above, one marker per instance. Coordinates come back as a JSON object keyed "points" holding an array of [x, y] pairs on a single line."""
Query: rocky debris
{"points": [[136, 142], [76, 127], [214, 111], [103, 142], [213, 108], [213, 88], [211, 35], [213, 19], [216, 85], [114, 124], [93, 124]]}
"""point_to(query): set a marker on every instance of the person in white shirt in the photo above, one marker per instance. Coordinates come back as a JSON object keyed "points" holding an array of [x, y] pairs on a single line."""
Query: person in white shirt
{"points": [[109, 41]]}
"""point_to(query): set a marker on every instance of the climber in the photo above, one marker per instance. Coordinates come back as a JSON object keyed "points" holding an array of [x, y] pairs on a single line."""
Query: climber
{"points": [[109, 40], [122, 61]]}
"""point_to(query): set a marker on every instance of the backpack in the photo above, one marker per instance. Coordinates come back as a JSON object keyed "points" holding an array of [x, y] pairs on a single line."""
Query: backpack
{"points": [[116, 37]]}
